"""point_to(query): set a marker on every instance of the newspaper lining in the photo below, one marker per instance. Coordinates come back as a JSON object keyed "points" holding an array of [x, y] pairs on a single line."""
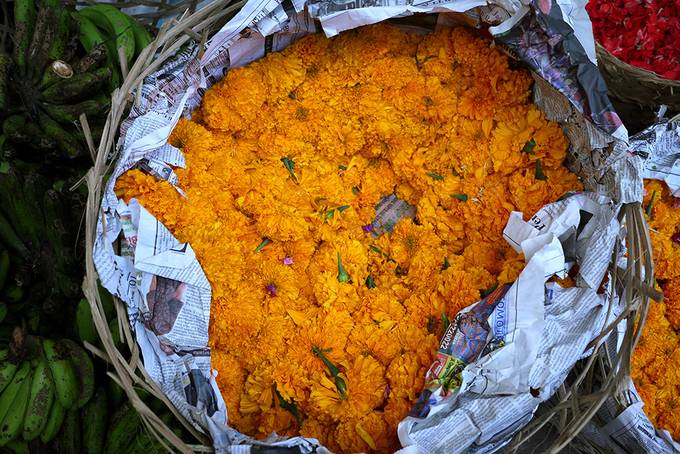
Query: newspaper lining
{"points": [[168, 297], [659, 147]]}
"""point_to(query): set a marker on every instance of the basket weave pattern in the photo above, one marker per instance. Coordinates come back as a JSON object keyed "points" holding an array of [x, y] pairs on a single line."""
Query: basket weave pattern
{"points": [[635, 85]]}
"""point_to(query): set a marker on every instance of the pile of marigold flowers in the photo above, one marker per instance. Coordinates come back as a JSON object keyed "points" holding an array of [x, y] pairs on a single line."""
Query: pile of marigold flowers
{"points": [[643, 33], [321, 324], [656, 361]]}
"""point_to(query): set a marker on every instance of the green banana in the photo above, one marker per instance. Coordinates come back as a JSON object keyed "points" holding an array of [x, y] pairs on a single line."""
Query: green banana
{"points": [[39, 402], [145, 443], [122, 430], [4, 266], [22, 130], [142, 35], [73, 38], [11, 390], [115, 394], [69, 437], [39, 139], [70, 113], [13, 421], [96, 414], [63, 373], [7, 371], [66, 143], [10, 239], [43, 36], [13, 293], [31, 217], [54, 422], [58, 46], [77, 87], [107, 302], [13, 128], [86, 329], [23, 210], [18, 447], [84, 370], [115, 332], [24, 19], [115, 23], [51, 3], [34, 186], [58, 238], [5, 68], [90, 36]]}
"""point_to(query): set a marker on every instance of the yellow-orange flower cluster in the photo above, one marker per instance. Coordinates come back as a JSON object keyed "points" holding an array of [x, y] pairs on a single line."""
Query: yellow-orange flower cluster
{"points": [[656, 361], [318, 326]]}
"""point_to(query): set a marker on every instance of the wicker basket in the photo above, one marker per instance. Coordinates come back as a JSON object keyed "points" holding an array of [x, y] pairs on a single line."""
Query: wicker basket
{"points": [[635, 85], [593, 380]]}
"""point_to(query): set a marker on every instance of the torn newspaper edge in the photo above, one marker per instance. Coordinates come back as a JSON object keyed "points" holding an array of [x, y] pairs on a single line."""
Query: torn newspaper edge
{"points": [[659, 146], [152, 267]]}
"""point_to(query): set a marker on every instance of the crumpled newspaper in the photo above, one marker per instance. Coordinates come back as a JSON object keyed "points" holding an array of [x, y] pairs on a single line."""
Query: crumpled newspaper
{"points": [[508, 353], [659, 146], [628, 430], [547, 330]]}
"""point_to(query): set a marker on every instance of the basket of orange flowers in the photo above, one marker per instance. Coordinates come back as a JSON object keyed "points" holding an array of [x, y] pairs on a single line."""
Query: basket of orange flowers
{"points": [[421, 234]]}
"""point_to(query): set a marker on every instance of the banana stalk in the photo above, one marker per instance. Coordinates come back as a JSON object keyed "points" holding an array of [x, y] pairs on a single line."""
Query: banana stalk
{"points": [[43, 36], [95, 57], [55, 72]]}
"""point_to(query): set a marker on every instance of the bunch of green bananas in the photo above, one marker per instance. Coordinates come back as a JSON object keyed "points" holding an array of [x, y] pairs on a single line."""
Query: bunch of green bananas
{"points": [[62, 64], [49, 402], [120, 432], [39, 269], [103, 24], [40, 382]]}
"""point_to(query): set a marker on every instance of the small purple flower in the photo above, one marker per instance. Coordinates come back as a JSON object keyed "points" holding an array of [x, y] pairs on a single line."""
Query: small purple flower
{"points": [[387, 392], [287, 260], [676, 237], [367, 228], [524, 172], [271, 288]]}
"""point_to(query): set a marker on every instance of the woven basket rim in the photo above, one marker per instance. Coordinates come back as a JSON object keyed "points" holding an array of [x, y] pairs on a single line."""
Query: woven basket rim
{"points": [[130, 374], [641, 73]]}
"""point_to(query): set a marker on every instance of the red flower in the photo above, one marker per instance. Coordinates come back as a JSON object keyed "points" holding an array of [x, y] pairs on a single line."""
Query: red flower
{"points": [[642, 33]]}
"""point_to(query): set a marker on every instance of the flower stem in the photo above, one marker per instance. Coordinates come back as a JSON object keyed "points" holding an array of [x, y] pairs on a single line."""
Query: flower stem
{"points": [[264, 242], [651, 205], [335, 372], [289, 406], [342, 274]]}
